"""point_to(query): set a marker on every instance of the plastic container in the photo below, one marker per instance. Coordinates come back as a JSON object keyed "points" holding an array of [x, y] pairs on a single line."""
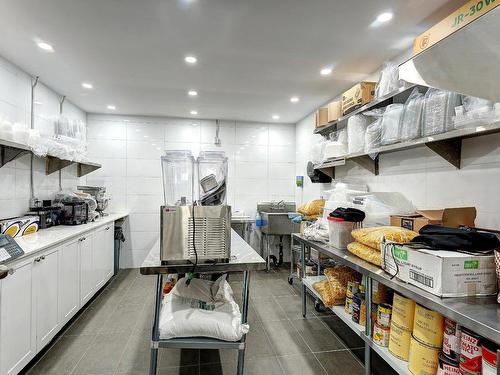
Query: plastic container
{"points": [[178, 177], [390, 124], [212, 177], [339, 232], [411, 119], [439, 110]]}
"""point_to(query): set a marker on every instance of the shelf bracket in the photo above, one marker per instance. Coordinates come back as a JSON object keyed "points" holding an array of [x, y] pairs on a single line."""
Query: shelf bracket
{"points": [[84, 169], [367, 163], [329, 171], [8, 154], [53, 164], [449, 149]]}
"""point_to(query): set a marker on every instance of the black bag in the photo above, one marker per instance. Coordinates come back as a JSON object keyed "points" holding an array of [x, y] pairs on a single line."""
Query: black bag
{"points": [[456, 239], [348, 214]]}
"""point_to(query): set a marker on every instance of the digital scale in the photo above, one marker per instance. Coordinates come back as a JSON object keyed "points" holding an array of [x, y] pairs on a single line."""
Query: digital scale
{"points": [[9, 249]]}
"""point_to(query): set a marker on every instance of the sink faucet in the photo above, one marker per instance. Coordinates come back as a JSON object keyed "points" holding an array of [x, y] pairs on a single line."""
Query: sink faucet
{"points": [[278, 205]]}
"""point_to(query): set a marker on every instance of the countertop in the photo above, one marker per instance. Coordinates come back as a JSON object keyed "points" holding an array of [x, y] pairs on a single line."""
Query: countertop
{"points": [[46, 238], [243, 258]]}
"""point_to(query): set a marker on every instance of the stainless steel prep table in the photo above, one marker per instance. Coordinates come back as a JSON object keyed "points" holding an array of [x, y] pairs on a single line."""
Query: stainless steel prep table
{"points": [[479, 314], [243, 259]]}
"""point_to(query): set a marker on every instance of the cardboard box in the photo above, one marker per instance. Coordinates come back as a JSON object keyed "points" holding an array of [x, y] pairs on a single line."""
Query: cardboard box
{"points": [[358, 96], [442, 273], [448, 217], [454, 22], [322, 117], [334, 111]]}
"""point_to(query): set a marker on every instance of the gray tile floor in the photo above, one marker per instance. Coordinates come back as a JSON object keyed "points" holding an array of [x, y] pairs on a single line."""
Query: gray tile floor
{"points": [[112, 336]]}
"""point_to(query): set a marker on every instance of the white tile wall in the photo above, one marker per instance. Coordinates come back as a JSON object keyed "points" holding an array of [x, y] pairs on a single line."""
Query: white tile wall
{"points": [[422, 176], [261, 165], [15, 98]]}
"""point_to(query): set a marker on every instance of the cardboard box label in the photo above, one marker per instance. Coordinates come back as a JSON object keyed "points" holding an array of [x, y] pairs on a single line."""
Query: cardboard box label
{"points": [[471, 265], [454, 22]]}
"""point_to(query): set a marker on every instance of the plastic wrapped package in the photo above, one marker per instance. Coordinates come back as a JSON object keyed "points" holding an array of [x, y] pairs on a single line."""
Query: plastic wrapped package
{"points": [[411, 119], [474, 112], [356, 129], [317, 151], [333, 289], [37, 144], [390, 124], [6, 130], [388, 80], [336, 147], [373, 135], [364, 252], [439, 109], [373, 237]]}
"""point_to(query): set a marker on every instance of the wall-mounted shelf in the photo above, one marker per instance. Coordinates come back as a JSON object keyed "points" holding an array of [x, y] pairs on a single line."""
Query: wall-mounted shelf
{"points": [[447, 145], [399, 96], [10, 151]]}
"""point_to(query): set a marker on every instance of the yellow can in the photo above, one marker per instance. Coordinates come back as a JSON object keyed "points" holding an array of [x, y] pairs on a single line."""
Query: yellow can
{"points": [[424, 359], [428, 326], [399, 342], [403, 312]]}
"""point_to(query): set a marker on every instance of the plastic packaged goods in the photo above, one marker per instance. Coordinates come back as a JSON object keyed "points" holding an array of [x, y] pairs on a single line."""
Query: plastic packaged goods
{"points": [[333, 289], [439, 109], [388, 80], [373, 135], [204, 309], [356, 129], [373, 237], [336, 147], [370, 254], [411, 119], [390, 124], [474, 112], [318, 150]]}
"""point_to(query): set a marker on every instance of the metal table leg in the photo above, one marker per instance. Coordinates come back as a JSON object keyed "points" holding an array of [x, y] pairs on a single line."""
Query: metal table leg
{"points": [[268, 253], [302, 275], [244, 317], [155, 333], [368, 324]]}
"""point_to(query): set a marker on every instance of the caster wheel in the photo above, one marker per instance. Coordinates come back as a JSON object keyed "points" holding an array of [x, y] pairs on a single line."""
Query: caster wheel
{"points": [[318, 307], [290, 280]]}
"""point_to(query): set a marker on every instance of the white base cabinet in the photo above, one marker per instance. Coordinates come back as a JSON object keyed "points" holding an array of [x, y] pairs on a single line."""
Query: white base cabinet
{"points": [[43, 292]]}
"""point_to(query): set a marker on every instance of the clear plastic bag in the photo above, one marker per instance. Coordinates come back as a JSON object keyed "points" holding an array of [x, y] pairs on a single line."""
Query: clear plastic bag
{"points": [[336, 147], [439, 110], [373, 135], [356, 129], [411, 120], [390, 124], [317, 151], [388, 80], [474, 112]]}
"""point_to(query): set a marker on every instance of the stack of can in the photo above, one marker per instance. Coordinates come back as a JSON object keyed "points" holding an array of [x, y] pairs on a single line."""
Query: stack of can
{"points": [[450, 356], [352, 289], [403, 312], [426, 341], [381, 328]]}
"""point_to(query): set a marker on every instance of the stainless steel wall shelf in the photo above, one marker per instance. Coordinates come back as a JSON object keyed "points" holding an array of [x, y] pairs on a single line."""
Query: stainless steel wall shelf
{"points": [[447, 145], [10, 151]]}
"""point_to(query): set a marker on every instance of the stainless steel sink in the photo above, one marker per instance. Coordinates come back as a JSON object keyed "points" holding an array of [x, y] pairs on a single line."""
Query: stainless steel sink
{"points": [[278, 223]]}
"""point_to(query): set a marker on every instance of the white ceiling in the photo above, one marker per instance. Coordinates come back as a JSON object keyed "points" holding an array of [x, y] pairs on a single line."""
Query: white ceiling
{"points": [[253, 55]]}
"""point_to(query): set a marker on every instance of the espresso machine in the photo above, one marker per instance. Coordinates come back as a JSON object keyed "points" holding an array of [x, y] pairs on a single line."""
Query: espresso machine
{"points": [[195, 222]]}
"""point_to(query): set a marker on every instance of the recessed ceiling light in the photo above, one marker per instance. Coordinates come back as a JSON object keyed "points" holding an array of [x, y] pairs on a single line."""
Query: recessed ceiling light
{"points": [[45, 46], [384, 17], [294, 99], [276, 117], [193, 112], [190, 59], [326, 71], [111, 106], [193, 93], [87, 85]]}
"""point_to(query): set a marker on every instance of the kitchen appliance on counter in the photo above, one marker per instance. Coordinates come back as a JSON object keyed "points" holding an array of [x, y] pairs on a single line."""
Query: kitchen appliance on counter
{"points": [[75, 213], [194, 230], [99, 194], [9, 250], [49, 216]]}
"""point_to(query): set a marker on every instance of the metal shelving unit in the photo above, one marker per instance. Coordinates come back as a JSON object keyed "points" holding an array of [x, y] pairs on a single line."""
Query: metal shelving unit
{"points": [[479, 314], [10, 151], [400, 366]]}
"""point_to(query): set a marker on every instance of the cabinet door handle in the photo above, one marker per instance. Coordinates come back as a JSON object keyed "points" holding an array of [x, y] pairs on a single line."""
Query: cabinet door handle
{"points": [[37, 260], [82, 239], [107, 228], [42, 257], [5, 271]]}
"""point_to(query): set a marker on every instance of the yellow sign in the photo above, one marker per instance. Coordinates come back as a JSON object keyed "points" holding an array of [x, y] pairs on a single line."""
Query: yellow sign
{"points": [[455, 21]]}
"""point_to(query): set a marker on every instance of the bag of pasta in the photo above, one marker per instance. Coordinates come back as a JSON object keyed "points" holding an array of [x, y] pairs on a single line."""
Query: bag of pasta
{"points": [[334, 288], [373, 237], [364, 252], [312, 208]]}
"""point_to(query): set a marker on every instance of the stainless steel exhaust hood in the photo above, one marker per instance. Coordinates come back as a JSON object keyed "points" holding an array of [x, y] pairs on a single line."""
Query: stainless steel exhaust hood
{"points": [[466, 62]]}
